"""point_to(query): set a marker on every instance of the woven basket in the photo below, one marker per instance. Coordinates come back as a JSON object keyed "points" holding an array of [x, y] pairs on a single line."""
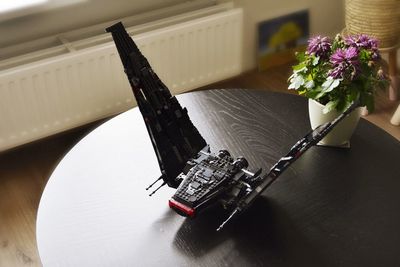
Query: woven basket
{"points": [[377, 18]]}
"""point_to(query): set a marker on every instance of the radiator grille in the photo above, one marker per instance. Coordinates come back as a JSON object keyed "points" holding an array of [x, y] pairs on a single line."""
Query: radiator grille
{"points": [[62, 92]]}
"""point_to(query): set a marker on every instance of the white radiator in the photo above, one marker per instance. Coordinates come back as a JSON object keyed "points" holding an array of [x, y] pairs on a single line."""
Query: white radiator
{"points": [[85, 82]]}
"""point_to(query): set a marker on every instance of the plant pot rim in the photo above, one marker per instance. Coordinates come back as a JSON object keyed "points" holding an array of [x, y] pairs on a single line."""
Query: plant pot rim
{"points": [[316, 101], [321, 105]]}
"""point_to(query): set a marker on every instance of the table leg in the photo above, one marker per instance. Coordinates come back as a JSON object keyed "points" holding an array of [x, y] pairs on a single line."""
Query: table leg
{"points": [[396, 117], [394, 82]]}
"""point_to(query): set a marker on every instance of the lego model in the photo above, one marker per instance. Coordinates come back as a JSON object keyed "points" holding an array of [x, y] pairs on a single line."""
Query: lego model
{"points": [[201, 178]]}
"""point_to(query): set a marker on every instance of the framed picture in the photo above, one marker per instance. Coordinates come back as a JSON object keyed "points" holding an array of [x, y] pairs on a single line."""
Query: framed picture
{"points": [[280, 38]]}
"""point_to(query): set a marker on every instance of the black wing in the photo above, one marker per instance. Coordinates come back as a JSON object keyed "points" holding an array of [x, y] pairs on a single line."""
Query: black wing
{"points": [[175, 139], [283, 163]]}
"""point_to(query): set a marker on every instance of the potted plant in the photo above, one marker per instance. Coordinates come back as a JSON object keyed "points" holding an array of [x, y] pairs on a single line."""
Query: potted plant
{"points": [[334, 73]]}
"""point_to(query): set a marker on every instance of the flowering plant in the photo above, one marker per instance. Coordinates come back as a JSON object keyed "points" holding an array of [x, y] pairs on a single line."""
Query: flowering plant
{"points": [[337, 72]]}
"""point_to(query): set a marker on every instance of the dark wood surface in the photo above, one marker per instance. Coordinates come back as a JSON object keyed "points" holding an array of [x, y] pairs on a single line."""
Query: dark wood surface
{"points": [[333, 207]]}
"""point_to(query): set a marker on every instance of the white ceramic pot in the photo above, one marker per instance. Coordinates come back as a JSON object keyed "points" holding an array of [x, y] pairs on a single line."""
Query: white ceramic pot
{"points": [[340, 135]]}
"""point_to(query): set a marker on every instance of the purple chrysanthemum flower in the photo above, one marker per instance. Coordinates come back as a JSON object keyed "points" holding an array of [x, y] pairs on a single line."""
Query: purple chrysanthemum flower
{"points": [[337, 72], [348, 55], [344, 60], [319, 46], [363, 41]]}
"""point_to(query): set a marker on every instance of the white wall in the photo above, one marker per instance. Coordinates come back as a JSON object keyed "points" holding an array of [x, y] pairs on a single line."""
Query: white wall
{"points": [[326, 17], [84, 13]]}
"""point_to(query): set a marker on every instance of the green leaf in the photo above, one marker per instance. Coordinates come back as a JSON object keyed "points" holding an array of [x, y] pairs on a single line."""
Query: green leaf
{"points": [[300, 68], [365, 55], [296, 82], [346, 105], [319, 95], [331, 105], [342, 105], [314, 93], [291, 77], [330, 84], [309, 84], [369, 102], [315, 61], [300, 56], [353, 95]]}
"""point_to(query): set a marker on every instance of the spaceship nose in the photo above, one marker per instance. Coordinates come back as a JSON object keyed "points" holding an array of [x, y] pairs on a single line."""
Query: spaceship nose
{"points": [[181, 208]]}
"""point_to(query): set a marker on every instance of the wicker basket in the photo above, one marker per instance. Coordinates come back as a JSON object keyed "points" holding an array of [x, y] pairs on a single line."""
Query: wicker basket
{"points": [[377, 18]]}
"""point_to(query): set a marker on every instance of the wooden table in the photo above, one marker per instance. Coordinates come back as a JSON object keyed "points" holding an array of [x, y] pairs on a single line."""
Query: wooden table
{"points": [[333, 207]]}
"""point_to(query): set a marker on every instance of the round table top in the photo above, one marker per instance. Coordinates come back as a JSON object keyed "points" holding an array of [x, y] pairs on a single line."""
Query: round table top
{"points": [[332, 207]]}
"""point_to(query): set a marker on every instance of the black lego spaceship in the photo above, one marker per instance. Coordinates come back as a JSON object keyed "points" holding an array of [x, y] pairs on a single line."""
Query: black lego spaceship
{"points": [[201, 178]]}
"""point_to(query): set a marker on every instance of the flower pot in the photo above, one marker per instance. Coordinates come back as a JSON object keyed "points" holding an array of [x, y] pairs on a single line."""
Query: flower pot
{"points": [[340, 135]]}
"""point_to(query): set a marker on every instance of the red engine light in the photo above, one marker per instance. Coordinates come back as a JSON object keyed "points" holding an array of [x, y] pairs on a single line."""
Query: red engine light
{"points": [[181, 208]]}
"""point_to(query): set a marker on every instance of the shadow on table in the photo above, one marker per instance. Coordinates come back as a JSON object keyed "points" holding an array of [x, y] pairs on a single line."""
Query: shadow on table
{"points": [[263, 234]]}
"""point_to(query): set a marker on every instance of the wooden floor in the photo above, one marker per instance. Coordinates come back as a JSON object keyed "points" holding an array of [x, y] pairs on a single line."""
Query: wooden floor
{"points": [[24, 171]]}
